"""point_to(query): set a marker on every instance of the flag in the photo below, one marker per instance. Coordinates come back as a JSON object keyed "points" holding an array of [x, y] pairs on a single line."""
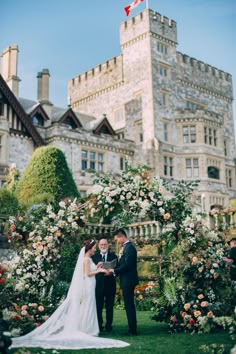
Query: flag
{"points": [[132, 6]]}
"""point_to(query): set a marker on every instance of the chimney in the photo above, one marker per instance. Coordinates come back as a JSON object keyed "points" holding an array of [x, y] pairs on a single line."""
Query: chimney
{"points": [[43, 85], [9, 65]]}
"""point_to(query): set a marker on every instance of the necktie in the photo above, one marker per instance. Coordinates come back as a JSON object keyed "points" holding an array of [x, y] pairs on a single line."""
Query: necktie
{"points": [[103, 258]]}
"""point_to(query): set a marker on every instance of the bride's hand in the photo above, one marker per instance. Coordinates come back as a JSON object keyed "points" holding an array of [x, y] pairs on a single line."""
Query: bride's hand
{"points": [[100, 264]]}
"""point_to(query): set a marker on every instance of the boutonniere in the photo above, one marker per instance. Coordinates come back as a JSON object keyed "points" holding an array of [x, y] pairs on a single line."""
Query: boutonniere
{"points": [[121, 252]]}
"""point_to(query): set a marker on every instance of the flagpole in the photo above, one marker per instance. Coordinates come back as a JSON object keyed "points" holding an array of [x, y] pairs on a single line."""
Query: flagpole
{"points": [[147, 4]]}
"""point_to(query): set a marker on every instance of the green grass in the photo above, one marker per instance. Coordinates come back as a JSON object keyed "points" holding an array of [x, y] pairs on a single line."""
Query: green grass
{"points": [[153, 338]]}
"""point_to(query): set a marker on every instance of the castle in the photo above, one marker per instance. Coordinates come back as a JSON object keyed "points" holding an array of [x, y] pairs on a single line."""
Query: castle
{"points": [[162, 108]]}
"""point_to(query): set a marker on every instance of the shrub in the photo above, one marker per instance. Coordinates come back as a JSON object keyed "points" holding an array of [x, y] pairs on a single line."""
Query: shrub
{"points": [[47, 178]]}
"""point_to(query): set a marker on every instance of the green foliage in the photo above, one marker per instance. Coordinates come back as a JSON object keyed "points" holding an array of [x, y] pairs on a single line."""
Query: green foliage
{"points": [[69, 255], [47, 178], [8, 203]]}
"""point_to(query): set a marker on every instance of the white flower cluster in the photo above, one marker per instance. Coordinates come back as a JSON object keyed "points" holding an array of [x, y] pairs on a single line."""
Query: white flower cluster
{"points": [[35, 265]]}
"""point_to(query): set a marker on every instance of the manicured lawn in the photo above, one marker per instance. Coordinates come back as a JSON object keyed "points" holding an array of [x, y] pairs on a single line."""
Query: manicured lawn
{"points": [[153, 338]]}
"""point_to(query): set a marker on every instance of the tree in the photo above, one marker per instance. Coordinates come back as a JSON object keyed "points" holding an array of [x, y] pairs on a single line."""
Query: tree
{"points": [[47, 178]]}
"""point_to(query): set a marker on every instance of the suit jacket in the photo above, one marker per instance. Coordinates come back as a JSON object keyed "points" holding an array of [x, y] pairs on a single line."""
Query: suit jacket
{"points": [[127, 268], [103, 281]]}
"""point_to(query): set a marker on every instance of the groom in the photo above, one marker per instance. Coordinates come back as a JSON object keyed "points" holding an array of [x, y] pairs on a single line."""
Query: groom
{"points": [[127, 271]]}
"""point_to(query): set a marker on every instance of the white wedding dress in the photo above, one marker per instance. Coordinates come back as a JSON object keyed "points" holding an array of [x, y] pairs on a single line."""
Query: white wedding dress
{"points": [[74, 324]]}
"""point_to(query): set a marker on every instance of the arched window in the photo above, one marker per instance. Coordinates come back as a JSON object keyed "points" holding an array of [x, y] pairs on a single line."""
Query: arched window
{"points": [[213, 172]]}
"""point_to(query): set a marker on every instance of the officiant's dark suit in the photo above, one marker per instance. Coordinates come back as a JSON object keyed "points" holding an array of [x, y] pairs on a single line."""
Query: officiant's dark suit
{"points": [[127, 271], [105, 288]]}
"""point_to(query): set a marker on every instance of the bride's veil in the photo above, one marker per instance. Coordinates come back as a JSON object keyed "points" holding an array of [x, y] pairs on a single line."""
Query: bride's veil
{"points": [[65, 319]]}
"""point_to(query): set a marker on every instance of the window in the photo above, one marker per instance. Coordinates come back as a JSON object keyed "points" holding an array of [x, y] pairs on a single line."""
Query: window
{"points": [[228, 175], [38, 120], [164, 98], [213, 172], [92, 161], [225, 148], [138, 133], [168, 166], [83, 193], [192, 168], [210, 136], [162, 48], [189, 134], [123, 164], [192, 105], [119, 115], [165, 131], [1, 108], [163, 70], [138, 102], [121, 135]]}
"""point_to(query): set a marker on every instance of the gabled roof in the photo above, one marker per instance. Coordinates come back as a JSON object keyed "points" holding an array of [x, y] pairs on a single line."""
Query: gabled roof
{"points": [[39, 109], [103, 127], [69, 114], [15, 104]]}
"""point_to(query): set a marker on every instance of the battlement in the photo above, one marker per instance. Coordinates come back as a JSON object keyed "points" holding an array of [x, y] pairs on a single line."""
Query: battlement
{"points": [[96, 79], [101, 69], [145, 22], [203, 67]]}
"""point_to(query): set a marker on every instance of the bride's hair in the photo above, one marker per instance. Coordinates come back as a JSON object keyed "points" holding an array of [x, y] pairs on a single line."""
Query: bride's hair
{"points": [[88, 244]]}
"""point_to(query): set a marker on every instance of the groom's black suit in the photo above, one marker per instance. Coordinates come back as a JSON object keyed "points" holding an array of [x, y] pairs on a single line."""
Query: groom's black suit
{"points": [[105, 291], [127, 271]]}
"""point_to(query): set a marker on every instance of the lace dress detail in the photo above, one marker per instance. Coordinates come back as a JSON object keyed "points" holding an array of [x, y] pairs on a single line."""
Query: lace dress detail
{"points": [[74, 324]]}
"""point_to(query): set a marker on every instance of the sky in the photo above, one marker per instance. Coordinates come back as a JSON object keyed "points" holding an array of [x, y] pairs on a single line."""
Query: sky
{"points": [[69, 37]]}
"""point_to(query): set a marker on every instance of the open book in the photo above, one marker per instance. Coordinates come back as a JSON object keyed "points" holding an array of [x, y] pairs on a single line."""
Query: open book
{"points": [[110, 265]]}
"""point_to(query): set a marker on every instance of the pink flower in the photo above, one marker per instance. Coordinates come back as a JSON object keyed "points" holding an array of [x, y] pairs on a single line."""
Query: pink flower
{"points": [[183, 314], [24, 307], [204, 304], [197, 313], [194, 260], [24, 313], [20, 218], [41, 308], [191, 321], [210, 314], [200, 296], [187, 306], [38, 324], [12, 227], [166, 216]]}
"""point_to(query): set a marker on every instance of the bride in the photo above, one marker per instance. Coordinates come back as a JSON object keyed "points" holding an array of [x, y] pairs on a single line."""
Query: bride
{"points": [[74, 325]]}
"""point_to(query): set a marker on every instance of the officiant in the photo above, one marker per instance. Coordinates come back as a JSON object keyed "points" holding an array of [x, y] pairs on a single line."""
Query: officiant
{"points": [[105, 286]]}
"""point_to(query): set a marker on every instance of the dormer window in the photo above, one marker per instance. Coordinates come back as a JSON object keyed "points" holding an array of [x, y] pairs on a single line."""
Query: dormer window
{"points": [[69, 121], [38, 120]]}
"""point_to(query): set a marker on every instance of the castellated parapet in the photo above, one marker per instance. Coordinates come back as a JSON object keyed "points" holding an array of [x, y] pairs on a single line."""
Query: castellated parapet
{"points": [[145, 22], [105, 76], [204, 76]]}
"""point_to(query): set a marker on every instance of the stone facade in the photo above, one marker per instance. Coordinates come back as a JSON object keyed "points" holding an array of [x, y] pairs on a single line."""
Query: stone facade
{"points": [[88, 143], [177, 110]]}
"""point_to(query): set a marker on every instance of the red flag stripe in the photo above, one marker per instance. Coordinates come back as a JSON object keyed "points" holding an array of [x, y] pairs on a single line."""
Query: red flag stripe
{"points": [[132, 6]]}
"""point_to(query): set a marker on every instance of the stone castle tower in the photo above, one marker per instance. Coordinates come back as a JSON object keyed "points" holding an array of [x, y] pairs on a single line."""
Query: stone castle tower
{"points": [[177, 109]]}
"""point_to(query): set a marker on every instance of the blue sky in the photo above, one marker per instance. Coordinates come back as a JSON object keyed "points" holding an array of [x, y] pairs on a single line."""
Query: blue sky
{"points": [[71, 36]]}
